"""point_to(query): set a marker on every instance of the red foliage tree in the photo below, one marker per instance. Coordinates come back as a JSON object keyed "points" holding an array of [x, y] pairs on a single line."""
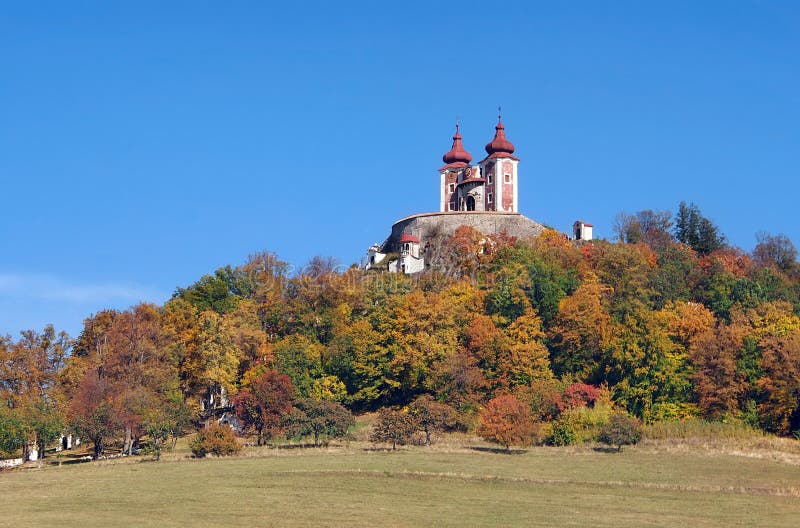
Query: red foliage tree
{"points": [[581, 395], [264, 403], [92, 411]]}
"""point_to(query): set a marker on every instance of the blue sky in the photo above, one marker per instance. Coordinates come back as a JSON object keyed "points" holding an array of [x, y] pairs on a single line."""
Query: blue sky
{"points": [[143, 144]]}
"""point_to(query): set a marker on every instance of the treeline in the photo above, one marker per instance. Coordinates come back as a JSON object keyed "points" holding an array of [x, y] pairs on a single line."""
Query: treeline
{"points": [[667, 322]]}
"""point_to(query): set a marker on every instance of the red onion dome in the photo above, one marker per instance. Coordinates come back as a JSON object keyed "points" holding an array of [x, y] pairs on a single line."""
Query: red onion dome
{"points": [[457, 154], [499, 145]]}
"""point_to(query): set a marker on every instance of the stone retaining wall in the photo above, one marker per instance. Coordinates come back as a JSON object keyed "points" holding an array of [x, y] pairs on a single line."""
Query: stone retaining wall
{"points": [[434, 225]]}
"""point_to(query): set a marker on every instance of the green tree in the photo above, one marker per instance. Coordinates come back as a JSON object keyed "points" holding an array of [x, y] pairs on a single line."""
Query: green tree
{"points": [[300, 358], [697, 231], [13, 433], [320, 418], [219, 292]]}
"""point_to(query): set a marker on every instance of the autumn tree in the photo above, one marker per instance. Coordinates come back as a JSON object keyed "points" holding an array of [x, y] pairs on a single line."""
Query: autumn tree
{"points": [[506, 421], [648, 226], [320, 418], [268, 276], [263, 404], [92, 411], [777, 251], [29, 370], [621, 430], [580, 330], [718, 383], [357, 356], [644, 367], [211, 362], [528, 359], [432, 416], [393, 426], [139, 366], [780, 362]]}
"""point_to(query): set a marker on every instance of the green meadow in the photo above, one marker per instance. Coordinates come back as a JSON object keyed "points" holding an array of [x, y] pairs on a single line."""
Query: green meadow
{"points": [[354, 484]]}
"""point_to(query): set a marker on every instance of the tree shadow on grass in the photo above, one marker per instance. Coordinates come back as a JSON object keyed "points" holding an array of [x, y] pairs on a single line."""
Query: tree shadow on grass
{"points": [[601, 449], [381, 449], [498, 450], [297, 446]]}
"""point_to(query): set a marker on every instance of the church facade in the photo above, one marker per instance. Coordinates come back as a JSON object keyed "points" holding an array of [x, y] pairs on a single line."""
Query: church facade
{"points": [[490, 185]]}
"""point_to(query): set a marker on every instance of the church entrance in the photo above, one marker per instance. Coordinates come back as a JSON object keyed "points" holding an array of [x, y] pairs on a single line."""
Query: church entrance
{"points": [[470, 203]]}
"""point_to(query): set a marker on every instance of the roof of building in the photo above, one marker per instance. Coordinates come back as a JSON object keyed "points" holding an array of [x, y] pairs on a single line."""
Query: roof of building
{"points": [[499, 146], [409, 238], [456, 156]]}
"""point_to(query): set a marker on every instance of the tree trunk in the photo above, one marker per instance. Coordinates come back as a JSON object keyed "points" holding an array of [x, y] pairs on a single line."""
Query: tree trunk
{"points": [[316, 438], [98, 449], [126, 447], [427, 437]]}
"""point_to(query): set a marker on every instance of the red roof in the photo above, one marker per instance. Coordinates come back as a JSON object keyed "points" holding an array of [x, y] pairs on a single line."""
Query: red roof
{"points": [[409, 238], [472, 180], [499, 146], [457, 156]]}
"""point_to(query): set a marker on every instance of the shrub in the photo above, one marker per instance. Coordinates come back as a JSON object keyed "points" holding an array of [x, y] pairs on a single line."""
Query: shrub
{"points": [[702, 429], [621, 430], [217, 440], [580, 424], [562, 433]]}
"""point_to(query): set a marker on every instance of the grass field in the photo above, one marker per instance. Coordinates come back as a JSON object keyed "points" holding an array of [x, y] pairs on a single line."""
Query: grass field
{"points": [[353, 485]]}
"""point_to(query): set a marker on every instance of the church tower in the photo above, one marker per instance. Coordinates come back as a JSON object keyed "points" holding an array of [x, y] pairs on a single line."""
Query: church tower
{"points": [[452, 173], [499, 169]]}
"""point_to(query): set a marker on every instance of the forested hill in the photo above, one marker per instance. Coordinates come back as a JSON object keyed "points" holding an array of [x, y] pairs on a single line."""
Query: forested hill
{"points": [[668, 322]]}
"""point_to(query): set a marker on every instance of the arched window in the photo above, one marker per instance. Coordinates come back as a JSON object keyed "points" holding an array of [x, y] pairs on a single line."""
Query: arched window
{"points": [[470, 203]]}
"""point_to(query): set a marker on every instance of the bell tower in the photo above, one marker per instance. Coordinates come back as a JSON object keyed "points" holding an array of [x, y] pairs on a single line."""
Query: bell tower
{"points": [[456, 160], [499, 169]]}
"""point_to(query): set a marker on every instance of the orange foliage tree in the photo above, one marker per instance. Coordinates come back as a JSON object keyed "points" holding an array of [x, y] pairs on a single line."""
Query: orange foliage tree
{"points": [[506, 421]]}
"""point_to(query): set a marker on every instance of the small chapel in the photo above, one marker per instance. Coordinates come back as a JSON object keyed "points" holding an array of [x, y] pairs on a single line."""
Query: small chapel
{"points": [[483, 196]]}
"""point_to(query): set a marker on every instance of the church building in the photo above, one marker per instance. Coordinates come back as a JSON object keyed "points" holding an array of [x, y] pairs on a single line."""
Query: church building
{"points": [[491, 185], [484, 196]]}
